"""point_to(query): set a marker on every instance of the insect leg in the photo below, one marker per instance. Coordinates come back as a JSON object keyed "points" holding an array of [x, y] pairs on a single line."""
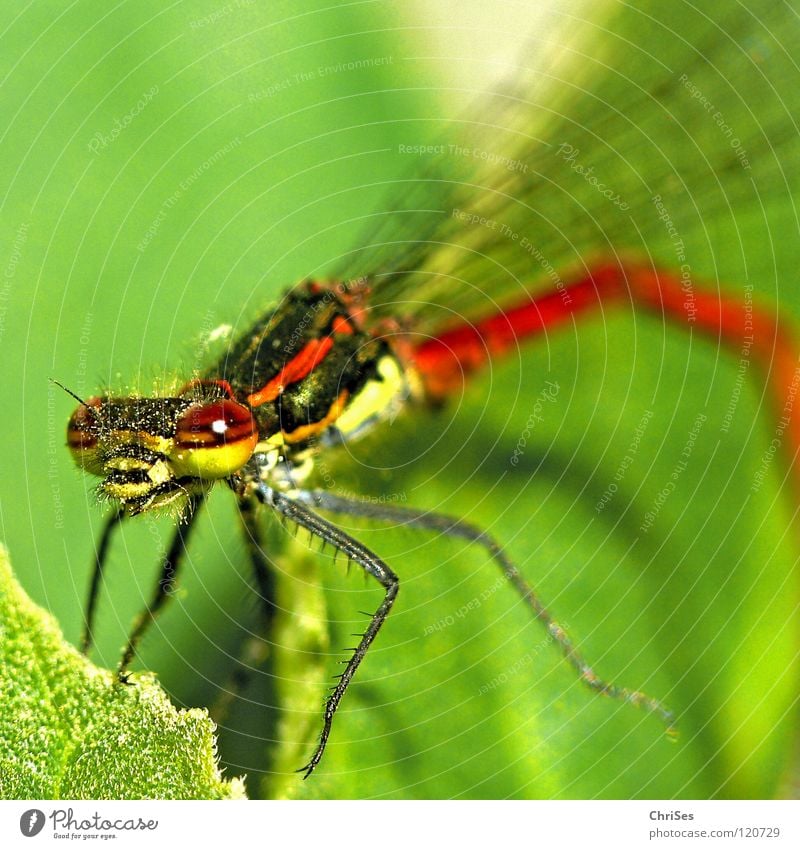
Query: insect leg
{"points": [[112, 521], [255, 648], [449, 526], [166, 582], [369, 562], [265, 579]]}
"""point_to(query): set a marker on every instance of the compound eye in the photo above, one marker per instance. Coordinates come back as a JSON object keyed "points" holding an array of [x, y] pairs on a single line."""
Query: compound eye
{"points": [[214, 440], [82, 436]]}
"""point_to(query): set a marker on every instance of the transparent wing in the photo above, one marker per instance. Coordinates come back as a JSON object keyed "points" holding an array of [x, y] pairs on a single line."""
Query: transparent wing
{"points": [[624, 136]]}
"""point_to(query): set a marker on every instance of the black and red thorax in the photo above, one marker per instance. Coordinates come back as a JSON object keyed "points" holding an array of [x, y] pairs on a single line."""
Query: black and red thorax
{"points": [[304, 374], [302, 368]]}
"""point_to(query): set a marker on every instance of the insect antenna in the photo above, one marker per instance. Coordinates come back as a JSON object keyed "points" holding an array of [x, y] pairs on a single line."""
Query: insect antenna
{"points": [[93, 410]]}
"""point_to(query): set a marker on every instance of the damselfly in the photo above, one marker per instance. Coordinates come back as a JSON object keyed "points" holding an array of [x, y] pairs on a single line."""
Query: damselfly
{"points": [[308, 376], [335, 360]]}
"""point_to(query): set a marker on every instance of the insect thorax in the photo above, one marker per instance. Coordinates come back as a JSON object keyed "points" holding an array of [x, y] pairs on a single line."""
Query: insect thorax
{"points": [[304, 377], [312, 376]]}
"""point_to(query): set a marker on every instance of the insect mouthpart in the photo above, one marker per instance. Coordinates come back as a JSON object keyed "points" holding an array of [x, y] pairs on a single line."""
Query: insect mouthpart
{"points": [[151, 452], [142, 479]]}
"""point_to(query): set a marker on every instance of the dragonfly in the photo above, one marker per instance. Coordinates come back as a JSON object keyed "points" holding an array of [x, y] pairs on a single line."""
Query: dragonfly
{"points": [[341, 355]]}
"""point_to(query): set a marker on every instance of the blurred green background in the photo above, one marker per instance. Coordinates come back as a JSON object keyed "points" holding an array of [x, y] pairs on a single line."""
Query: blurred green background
{"points": [[168, 169]]}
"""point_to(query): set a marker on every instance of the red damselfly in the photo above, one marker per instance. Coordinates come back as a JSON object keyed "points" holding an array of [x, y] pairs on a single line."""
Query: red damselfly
{"points": [[308, 376], [342, 354]]}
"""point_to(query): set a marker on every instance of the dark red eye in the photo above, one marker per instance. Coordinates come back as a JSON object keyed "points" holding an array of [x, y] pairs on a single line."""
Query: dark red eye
{"points": [[214, 425], [83, 426], [213, 440]]}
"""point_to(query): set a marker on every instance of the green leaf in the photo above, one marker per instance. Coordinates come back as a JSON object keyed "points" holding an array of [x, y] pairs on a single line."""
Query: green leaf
{"points": [[68, 731], [254, 147]]}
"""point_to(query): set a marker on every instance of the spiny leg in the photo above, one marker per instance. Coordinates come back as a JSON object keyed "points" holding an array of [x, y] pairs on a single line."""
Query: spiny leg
{"points": [[255, 650], [369, 562], [265, 578], [166, 582], [464, 530], [112, 522]]}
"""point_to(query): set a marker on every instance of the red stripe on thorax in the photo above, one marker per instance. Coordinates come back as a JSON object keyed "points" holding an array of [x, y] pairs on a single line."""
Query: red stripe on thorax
{"points": [[341, 325], [300, 366]]}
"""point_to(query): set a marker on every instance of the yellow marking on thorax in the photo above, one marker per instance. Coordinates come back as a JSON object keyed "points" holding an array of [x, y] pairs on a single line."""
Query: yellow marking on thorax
{"points": [[304, 432], [377, 399]]}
